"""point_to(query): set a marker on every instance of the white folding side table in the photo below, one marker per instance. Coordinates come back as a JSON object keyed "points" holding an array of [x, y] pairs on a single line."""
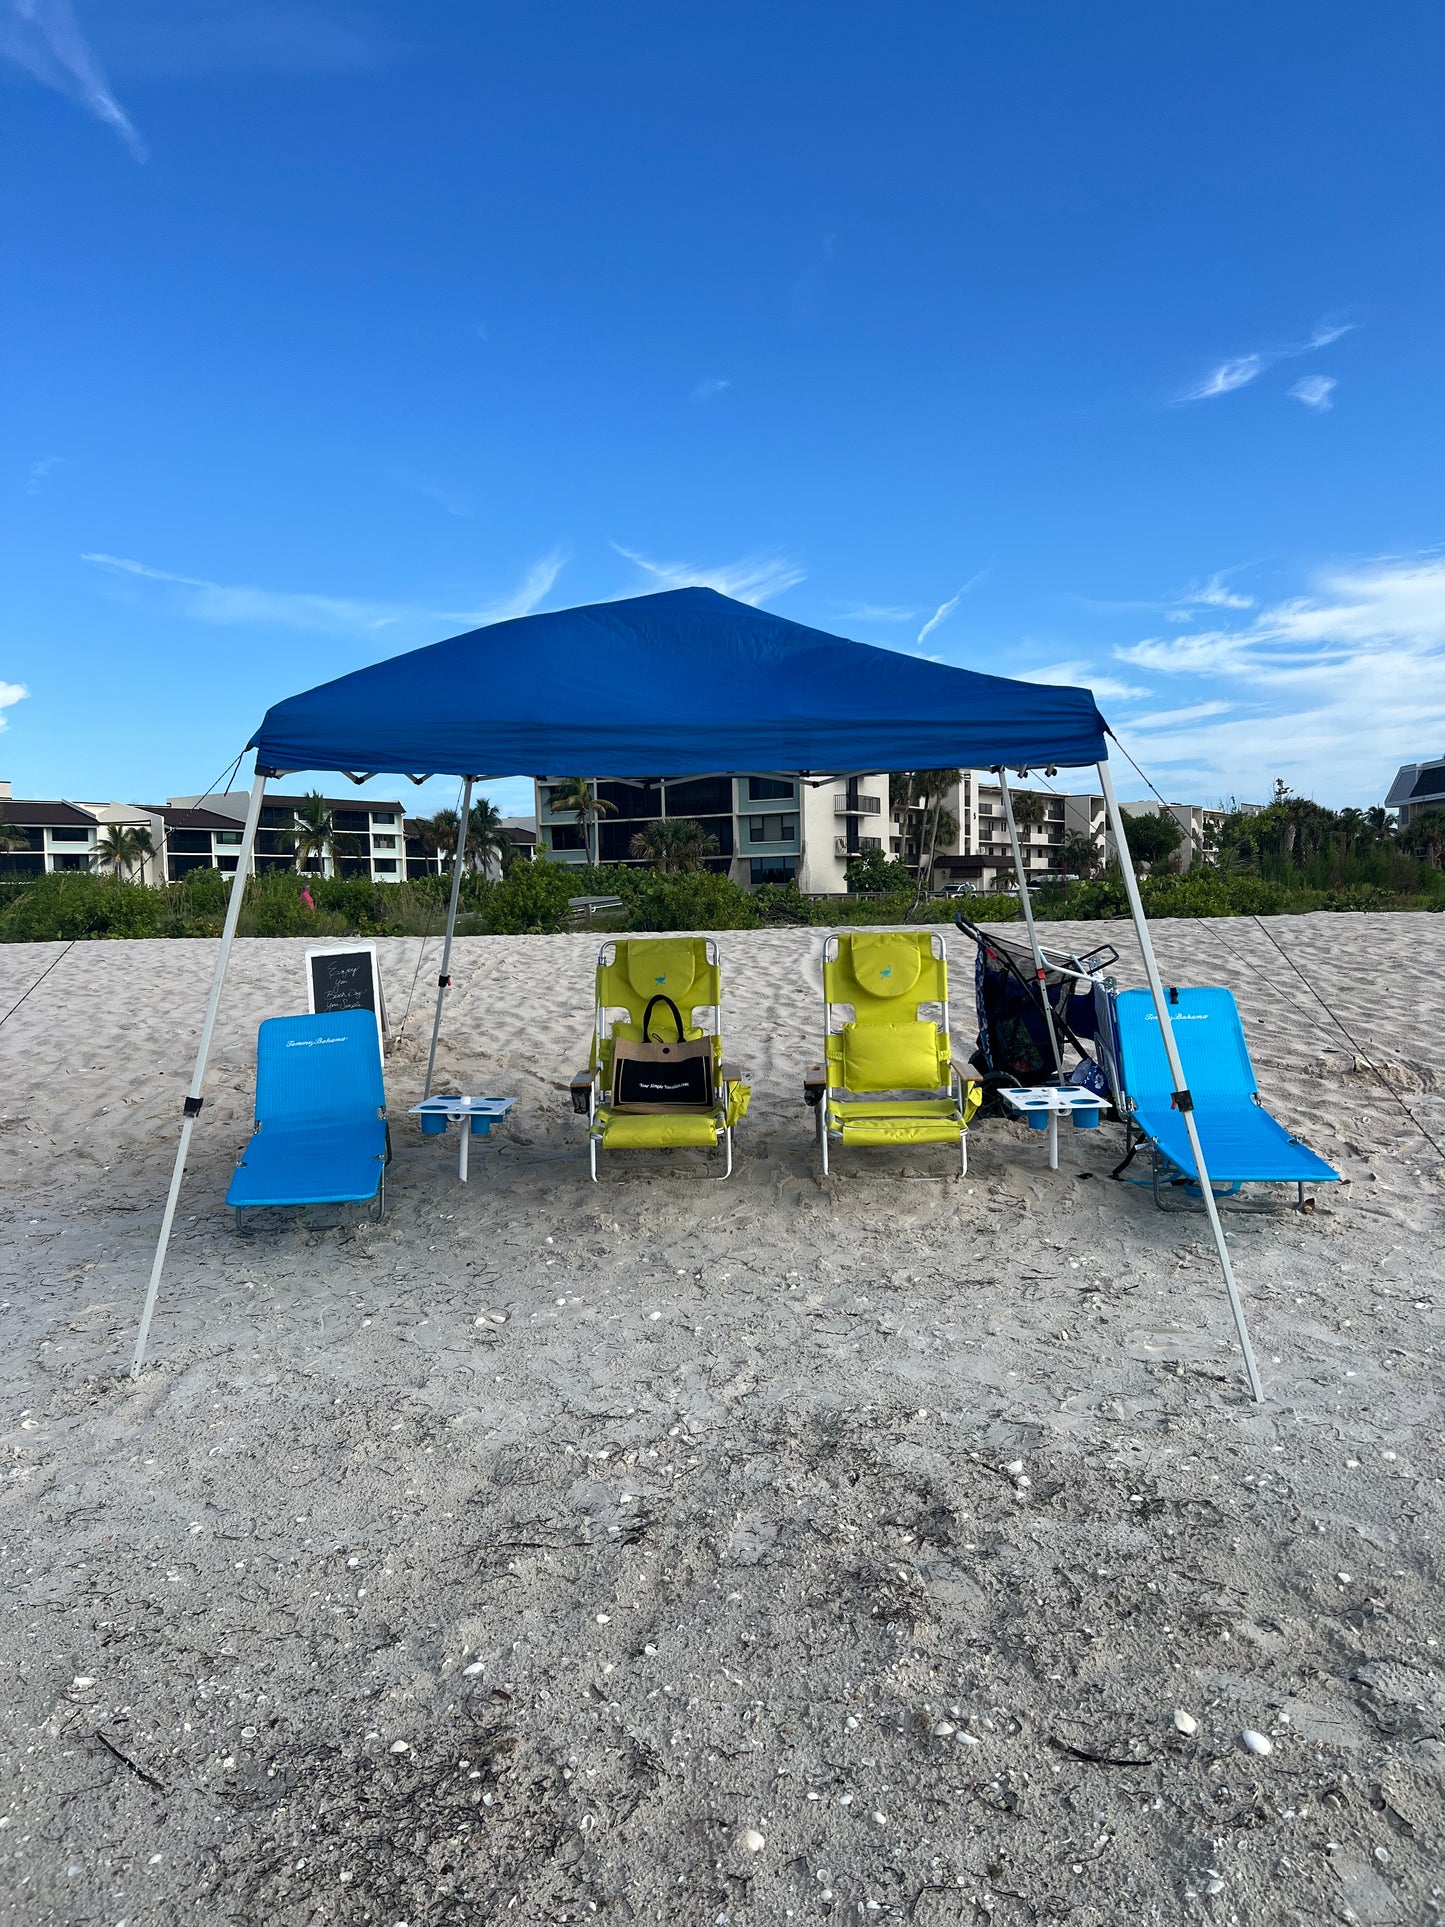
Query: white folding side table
{"points": [[476, 1116], [1042, 1105]]}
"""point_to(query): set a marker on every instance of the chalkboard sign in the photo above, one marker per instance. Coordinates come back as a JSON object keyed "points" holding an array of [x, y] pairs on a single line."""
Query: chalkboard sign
{"points": [[346, 977]]}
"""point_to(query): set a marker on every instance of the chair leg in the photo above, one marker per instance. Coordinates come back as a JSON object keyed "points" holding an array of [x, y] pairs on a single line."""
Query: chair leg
{"points": [[963, 1154], [592, 1155], [728, 1146], [823, 1141]]}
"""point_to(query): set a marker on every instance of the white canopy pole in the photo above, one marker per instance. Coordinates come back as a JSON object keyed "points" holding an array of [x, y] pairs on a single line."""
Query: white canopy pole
{"points": [[1184, 1103], [1028, 909], [444, 979], [198, 1076]]}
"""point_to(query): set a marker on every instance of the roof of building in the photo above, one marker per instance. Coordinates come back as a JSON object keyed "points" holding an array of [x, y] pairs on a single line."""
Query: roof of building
{"points": [[27, 813], [1414, 782], [181, 819]]}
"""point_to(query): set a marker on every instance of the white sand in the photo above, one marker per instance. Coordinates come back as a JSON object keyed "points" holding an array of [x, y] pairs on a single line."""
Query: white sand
{"points": [[681, 1513]]}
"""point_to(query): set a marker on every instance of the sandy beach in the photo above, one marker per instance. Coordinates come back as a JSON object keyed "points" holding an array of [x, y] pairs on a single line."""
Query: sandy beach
{"points": [[676, 1551]]}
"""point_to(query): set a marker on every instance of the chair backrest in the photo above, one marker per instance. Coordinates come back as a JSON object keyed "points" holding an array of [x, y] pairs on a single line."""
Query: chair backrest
{"points": [[631, 971], [886, 977], [318, 1070], [1209, 1036]]}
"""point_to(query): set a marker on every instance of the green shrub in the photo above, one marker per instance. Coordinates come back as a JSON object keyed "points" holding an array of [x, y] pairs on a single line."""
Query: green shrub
{"points": [[696, 900]]}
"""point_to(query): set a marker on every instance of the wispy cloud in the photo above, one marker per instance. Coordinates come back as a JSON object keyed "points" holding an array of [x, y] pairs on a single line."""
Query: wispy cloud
{"points": [[705, 390], [1083, 675], [877, 612], [10, 694], [1240, 370], [44, 37], [444, 498], [1315, 391], [40, 473], [754, 580], [1331, 690], [232, 603], [946, 609], [1228, 376]]}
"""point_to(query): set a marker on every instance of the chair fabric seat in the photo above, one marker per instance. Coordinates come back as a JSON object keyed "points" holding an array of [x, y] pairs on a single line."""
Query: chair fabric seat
{"points": [[898, 1130], [311, 1164], [656, 1130], [1241, 1142]]}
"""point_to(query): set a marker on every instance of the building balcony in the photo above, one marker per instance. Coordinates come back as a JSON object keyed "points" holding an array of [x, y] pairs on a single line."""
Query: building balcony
{"points": [[860, 806]]}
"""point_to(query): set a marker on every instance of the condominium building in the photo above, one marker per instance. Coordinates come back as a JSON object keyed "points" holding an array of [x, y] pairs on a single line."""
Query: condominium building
{"points": [[978, 853], [50, 836], [204, 832], [1417, 787], [769, 828]]}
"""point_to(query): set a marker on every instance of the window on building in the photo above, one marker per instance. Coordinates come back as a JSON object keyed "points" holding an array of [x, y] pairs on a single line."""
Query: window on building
{"points": [[351, 819], [768, 789], [191, 842], [773, 869], [383, 816], [383, 843], [385, 866], [181, 866], [567, 836], [227, 836], [701, 796], [68, 862], [773, 829], [632, 802], [70, 836]]}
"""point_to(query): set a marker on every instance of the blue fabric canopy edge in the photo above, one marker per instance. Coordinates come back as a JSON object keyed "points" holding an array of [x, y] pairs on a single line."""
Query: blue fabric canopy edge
{"points": [[675, 684]]}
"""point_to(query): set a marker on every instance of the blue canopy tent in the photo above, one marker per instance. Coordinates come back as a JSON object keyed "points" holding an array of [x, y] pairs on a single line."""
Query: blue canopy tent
{"points": [[675, 684]]}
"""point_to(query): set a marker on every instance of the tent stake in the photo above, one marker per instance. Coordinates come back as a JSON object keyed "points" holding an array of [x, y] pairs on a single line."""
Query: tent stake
{"points": [[1176, 1071], [198, 1075], [444, 976], [1028, 909]]}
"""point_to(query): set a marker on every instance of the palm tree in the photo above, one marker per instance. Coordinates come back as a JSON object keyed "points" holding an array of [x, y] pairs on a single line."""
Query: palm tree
{"points": [[1425, 836], [575, 796], [428, 834], [486, 839], [1078, 855], [674, 843], [924, 790], [314, 836], [12, 837], [122, 847]]}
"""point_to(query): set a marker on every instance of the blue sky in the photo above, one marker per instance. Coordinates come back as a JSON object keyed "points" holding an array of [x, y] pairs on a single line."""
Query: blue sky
{"points": [[1098, 344]]}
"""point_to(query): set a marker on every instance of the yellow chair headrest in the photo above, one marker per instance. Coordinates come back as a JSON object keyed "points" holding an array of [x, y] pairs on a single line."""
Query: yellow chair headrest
{"points": [[663, 966], [885, 965]]}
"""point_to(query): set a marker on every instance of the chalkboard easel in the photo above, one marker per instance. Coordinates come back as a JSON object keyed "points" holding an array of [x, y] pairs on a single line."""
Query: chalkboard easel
{"points": [[346, 977]]}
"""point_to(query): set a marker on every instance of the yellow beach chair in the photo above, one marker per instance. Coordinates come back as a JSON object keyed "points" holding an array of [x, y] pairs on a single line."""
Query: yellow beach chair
{"points": [[631, 971], [888, 1075]]}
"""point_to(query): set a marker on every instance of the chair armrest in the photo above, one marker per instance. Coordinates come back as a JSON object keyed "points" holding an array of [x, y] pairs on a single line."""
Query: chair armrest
{"points": [[582, 1086], [729, 1073], [815, 1083]]}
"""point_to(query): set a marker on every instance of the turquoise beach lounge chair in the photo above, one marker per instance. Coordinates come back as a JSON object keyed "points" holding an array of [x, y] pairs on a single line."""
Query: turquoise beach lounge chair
{"points": [[1242, 1143], [321, 1131]]}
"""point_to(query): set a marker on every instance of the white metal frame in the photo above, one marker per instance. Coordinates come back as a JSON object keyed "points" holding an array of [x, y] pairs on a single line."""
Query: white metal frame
{"points": [[594, 1136], [444, 980], [194, 1098], [956, 1083]]}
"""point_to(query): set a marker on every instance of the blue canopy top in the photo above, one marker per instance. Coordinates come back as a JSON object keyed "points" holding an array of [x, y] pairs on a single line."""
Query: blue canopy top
{"points": [[669, 685]]}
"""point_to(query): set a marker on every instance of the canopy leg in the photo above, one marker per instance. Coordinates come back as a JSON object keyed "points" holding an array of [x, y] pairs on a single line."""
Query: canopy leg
{"points": [[1183, 1101], [198, 1075], [444, 978], [1026, 905]]}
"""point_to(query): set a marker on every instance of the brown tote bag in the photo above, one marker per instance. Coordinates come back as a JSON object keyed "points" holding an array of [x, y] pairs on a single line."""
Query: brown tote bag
{"points": [[656, 1076]]}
